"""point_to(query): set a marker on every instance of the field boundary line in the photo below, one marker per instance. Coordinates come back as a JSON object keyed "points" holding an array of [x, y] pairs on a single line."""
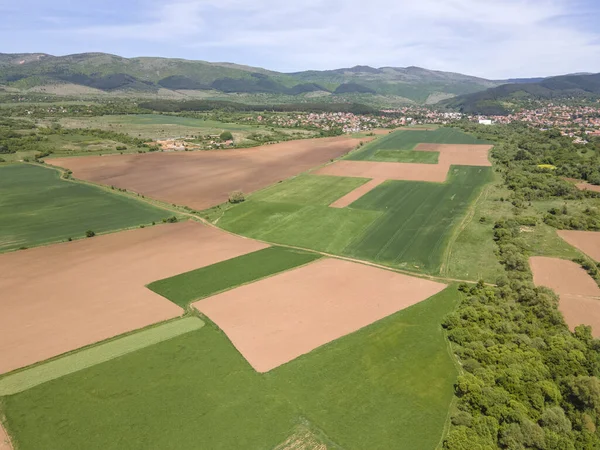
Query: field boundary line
{"points": [[198, 218], [98, 353]]}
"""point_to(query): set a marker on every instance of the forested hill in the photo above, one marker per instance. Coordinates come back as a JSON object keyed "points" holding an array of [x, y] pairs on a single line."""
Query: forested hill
{"points": [[99, 72], [495, 101]]}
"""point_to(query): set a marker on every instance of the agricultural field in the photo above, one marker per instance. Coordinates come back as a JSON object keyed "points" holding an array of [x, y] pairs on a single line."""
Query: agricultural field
{"points": [[400, 223], [578, 291], [196, 388], [406, 140], [38, 207], [159, 126], [206, 178], [94, 289], [201, 283]]}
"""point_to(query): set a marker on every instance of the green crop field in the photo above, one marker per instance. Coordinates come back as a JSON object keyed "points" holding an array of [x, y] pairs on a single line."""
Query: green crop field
{"points": [[197, 284], [36, 207], [417, 218], [408, 140], [406, 156], [88, 357], [400, 223], [285, 214], [389, 382]]}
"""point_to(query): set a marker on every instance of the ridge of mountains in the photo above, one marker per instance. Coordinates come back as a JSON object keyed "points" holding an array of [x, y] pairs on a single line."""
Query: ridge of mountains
{"points": [[497, 100], [101, 72]]}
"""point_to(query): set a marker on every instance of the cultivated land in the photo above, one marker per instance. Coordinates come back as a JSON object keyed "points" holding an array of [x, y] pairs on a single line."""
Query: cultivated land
{"points": [[200, 283], [26, 379], [405, 140], [579, 293], [205, 178], [90, 290], [389, 382], [586, 241], [399, 223], [280, 318], [37, 207]]}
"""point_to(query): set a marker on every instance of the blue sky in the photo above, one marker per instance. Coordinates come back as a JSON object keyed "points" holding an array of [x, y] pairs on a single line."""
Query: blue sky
{"points": [[493, 39]]}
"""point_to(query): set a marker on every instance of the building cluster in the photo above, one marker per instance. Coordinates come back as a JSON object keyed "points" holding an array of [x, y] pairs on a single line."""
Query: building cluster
{"points": [[347, 122], [576, 121]]}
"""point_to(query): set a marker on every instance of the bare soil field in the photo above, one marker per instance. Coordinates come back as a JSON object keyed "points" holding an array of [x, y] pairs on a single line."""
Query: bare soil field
{"points": [[65, 296], [356, 193], [459, 154], [579, 293], [4, 439], [205, 178], [583, 186], [386, 171], [586, 241], [275, 320]]}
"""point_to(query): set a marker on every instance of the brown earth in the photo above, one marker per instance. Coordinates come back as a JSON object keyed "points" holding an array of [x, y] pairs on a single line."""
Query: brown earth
{"points": [[205, 178], [356, 193], [583, 186], [459, 154], [65, 296], [275, 320], [386, 171], [579, 293], [586, 241], [4, 439]]}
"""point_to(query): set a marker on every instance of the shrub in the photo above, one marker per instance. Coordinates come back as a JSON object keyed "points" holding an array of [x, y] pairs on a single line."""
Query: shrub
{"points": [[226, 136], [90, 233], [172, 219], [236, 197]]}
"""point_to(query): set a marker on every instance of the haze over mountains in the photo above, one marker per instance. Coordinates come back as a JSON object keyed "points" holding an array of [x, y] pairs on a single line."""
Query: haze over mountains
{"points": [[99, 73]]}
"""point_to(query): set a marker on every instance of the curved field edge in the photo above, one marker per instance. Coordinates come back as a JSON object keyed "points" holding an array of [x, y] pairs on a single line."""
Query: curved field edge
{"points": [[39, 207], [96, 354], [389, 382], [201, 283]]}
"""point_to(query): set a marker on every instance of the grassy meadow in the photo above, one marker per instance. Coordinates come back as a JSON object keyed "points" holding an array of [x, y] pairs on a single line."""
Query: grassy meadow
{"points": [[206, 281], [389, 382], [161, 126], [37, 207]]}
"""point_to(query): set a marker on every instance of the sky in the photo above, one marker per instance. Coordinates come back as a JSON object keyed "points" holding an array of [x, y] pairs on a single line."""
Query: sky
{"points": [[492, 39]]}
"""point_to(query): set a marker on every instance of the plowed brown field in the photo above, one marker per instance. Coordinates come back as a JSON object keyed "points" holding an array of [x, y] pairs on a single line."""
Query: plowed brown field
{"points": [[205, 178], [280, 318], [62, 297], [459, 154], [579, 293], [586, 241]]}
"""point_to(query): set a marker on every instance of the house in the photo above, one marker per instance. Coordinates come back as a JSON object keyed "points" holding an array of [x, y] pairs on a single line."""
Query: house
{"points": [[485, 122]]}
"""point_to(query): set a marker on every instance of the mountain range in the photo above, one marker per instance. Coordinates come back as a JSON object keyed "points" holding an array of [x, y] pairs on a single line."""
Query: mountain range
{"points": [[99, 72], [497, 100], [89, 74]]}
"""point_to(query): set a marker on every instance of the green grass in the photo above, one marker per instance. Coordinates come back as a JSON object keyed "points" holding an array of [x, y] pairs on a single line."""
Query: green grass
{"points": [[34, 376], [197, 284], [400, 223], [408, 140], [389, 384], [417, 219], [286, 214], [406, 156], [37, 207], [310, 190]]}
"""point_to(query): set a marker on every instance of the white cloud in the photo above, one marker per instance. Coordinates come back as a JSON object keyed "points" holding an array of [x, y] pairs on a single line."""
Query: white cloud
{"points": [[498, 39]]}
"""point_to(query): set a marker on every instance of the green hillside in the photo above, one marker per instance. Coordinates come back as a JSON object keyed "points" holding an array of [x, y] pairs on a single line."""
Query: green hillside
{"points": [[111, 73]]}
